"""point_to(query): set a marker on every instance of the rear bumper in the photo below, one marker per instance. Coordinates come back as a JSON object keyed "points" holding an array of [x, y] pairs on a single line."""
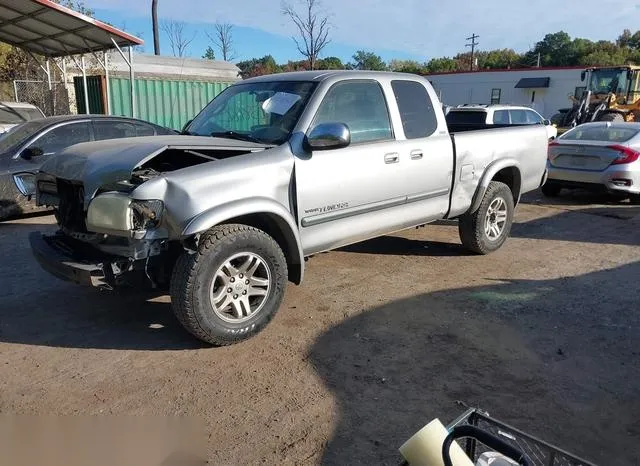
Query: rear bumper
{"points": [[617, 179], [57, 259]]}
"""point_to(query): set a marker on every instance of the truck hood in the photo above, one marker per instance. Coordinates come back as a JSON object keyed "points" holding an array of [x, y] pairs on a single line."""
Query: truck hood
{"points": [[101, 163]]}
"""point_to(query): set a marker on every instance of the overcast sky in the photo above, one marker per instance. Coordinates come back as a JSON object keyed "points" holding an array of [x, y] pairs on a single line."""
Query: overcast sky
{"points": [[414, 28]]}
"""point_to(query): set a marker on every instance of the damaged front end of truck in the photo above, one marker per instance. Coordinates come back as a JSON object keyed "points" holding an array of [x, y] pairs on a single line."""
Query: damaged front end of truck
{"points": [[122, 207]]}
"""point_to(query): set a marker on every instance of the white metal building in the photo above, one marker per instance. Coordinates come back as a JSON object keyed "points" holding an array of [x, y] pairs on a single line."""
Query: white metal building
{"points": [[544, 89]]}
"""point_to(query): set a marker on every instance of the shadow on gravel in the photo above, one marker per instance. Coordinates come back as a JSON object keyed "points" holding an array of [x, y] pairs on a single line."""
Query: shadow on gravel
{"points": [[399, 246], [556, 358], [71, 317], [583, 225]]}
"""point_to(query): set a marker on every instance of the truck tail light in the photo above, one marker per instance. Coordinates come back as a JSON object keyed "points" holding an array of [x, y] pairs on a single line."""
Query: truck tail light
{"points": [[627, 155]]}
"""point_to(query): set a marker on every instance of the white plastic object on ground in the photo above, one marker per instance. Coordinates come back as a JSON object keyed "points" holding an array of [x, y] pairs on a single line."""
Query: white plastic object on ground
{"points": [[425, 447]]}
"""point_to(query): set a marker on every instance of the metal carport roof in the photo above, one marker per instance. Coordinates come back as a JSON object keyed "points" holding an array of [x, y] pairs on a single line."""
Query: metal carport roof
{"points": [[46, 28], [42, 27]]}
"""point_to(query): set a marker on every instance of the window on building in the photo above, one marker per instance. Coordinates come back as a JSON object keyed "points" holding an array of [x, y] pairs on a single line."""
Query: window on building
{"points": [[495, 96]]}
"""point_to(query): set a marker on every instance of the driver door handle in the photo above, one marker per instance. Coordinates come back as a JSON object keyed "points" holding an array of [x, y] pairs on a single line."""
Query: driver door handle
{"points": [[416, 154], [391, 158]]}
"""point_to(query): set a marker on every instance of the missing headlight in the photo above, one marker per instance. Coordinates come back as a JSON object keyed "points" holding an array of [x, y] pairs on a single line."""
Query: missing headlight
{"points": [[146, 214]]}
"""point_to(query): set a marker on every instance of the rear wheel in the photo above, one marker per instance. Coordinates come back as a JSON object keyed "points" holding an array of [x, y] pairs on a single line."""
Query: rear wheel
{"points": [[551, 190], [486, 229], [613, 117], [232, 287]]}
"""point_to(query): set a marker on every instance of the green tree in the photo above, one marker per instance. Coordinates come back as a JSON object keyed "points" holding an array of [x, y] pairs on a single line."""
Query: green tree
{"points": [[442, 65], [554, 50], [407, 66], [258, 67], [209, 53], [500, 59], [363, 60], [330, 63]]}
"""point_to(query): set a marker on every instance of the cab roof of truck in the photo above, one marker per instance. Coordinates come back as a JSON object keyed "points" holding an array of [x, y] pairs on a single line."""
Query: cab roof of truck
{"points": [[322, 75]]}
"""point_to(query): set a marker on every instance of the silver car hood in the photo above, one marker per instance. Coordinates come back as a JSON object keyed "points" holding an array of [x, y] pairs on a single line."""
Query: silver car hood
{"points": [[101, 163]]}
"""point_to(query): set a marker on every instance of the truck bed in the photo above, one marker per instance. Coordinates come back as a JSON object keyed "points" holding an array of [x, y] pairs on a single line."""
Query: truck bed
{"points": [[477, 147]]}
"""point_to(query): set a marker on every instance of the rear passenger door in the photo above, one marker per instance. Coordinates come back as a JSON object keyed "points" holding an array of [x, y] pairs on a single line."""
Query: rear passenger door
{"points": [[426, 154]]}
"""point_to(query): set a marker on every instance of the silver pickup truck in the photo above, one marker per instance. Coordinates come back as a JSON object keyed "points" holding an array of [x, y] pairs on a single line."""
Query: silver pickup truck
{"points": [[274, 170]]}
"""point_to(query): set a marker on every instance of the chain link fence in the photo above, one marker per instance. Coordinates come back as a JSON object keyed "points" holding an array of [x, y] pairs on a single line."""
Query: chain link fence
{"points": [[51, 102]]}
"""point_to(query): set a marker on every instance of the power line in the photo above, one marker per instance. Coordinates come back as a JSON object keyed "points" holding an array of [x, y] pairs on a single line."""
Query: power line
{"points": [[473, 46]]}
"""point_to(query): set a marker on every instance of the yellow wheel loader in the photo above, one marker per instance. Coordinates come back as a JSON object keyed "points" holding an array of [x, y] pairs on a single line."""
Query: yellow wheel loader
{"points": [[611, 94]]}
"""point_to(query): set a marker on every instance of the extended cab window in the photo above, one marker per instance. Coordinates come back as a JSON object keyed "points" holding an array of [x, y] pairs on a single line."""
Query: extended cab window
{"points": [[416, 109], [361, 106]]}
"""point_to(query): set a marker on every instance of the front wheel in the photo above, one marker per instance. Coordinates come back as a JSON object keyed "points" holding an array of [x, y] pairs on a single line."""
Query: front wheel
{"points": [[232, 287], [486, 229]]}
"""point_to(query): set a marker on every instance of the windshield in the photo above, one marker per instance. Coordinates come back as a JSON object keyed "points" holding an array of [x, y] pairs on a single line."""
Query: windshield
{"points": [[263, 112], [19, 134], [466, 117], [15, 115], [609, 80], [601, 133]]}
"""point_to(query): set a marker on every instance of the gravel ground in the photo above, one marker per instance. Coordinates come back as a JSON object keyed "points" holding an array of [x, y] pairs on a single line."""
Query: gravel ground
{"points": [[381, 338]]}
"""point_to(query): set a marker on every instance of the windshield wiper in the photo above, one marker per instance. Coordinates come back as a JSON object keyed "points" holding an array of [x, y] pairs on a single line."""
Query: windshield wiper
{"points": [[234, 135]]}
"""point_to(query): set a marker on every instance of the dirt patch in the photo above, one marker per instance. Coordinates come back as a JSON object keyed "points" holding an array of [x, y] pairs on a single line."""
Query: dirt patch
{"points": [[381, 338]]}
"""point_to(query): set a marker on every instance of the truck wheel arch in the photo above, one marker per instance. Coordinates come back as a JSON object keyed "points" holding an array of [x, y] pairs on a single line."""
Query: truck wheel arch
{"points": [[506, 171], [262, 213]]}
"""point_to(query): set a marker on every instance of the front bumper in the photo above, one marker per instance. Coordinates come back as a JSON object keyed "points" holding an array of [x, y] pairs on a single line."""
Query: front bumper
{"points": [[60, 259]]}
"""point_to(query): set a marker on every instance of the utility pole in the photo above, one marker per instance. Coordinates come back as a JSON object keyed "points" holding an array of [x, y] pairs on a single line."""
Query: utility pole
{"points": [[156, 35], [538, 60], [473, 46]]}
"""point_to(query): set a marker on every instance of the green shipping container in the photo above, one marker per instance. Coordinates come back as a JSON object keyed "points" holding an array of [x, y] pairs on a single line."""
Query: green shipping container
{"points": [[166, 103]]}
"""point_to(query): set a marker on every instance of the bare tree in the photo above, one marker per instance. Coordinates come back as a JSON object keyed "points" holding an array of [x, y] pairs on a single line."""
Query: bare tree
{"points": [[176, 35], [223, 40], [313, 29]]}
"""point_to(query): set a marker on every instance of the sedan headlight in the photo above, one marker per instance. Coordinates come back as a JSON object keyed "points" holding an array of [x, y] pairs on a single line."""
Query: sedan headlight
{"points": [[146, 214], [26, 183]]}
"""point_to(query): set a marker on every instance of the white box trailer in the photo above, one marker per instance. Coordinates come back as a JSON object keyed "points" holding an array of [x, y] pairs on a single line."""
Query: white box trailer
{"points": [[544, 89]]}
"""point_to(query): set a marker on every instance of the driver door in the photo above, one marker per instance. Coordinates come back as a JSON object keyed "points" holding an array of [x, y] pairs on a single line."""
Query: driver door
{"points": [[345, 195]]}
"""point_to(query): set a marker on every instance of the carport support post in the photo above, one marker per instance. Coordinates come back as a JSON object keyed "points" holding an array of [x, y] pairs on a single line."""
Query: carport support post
{"points": [[48, 72], [84, 85], [105, 57], [129, 62], [133, 84]]}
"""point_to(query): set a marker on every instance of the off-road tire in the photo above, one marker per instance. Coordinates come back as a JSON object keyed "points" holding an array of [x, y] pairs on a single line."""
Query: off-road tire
{"points": [[551, 190], [471, 226], [194, 272]]}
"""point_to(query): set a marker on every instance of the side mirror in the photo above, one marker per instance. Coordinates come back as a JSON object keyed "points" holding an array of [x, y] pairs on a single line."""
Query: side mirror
{"points": [[583, 76], [328, 136], [546, 122], [31, 152]]}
